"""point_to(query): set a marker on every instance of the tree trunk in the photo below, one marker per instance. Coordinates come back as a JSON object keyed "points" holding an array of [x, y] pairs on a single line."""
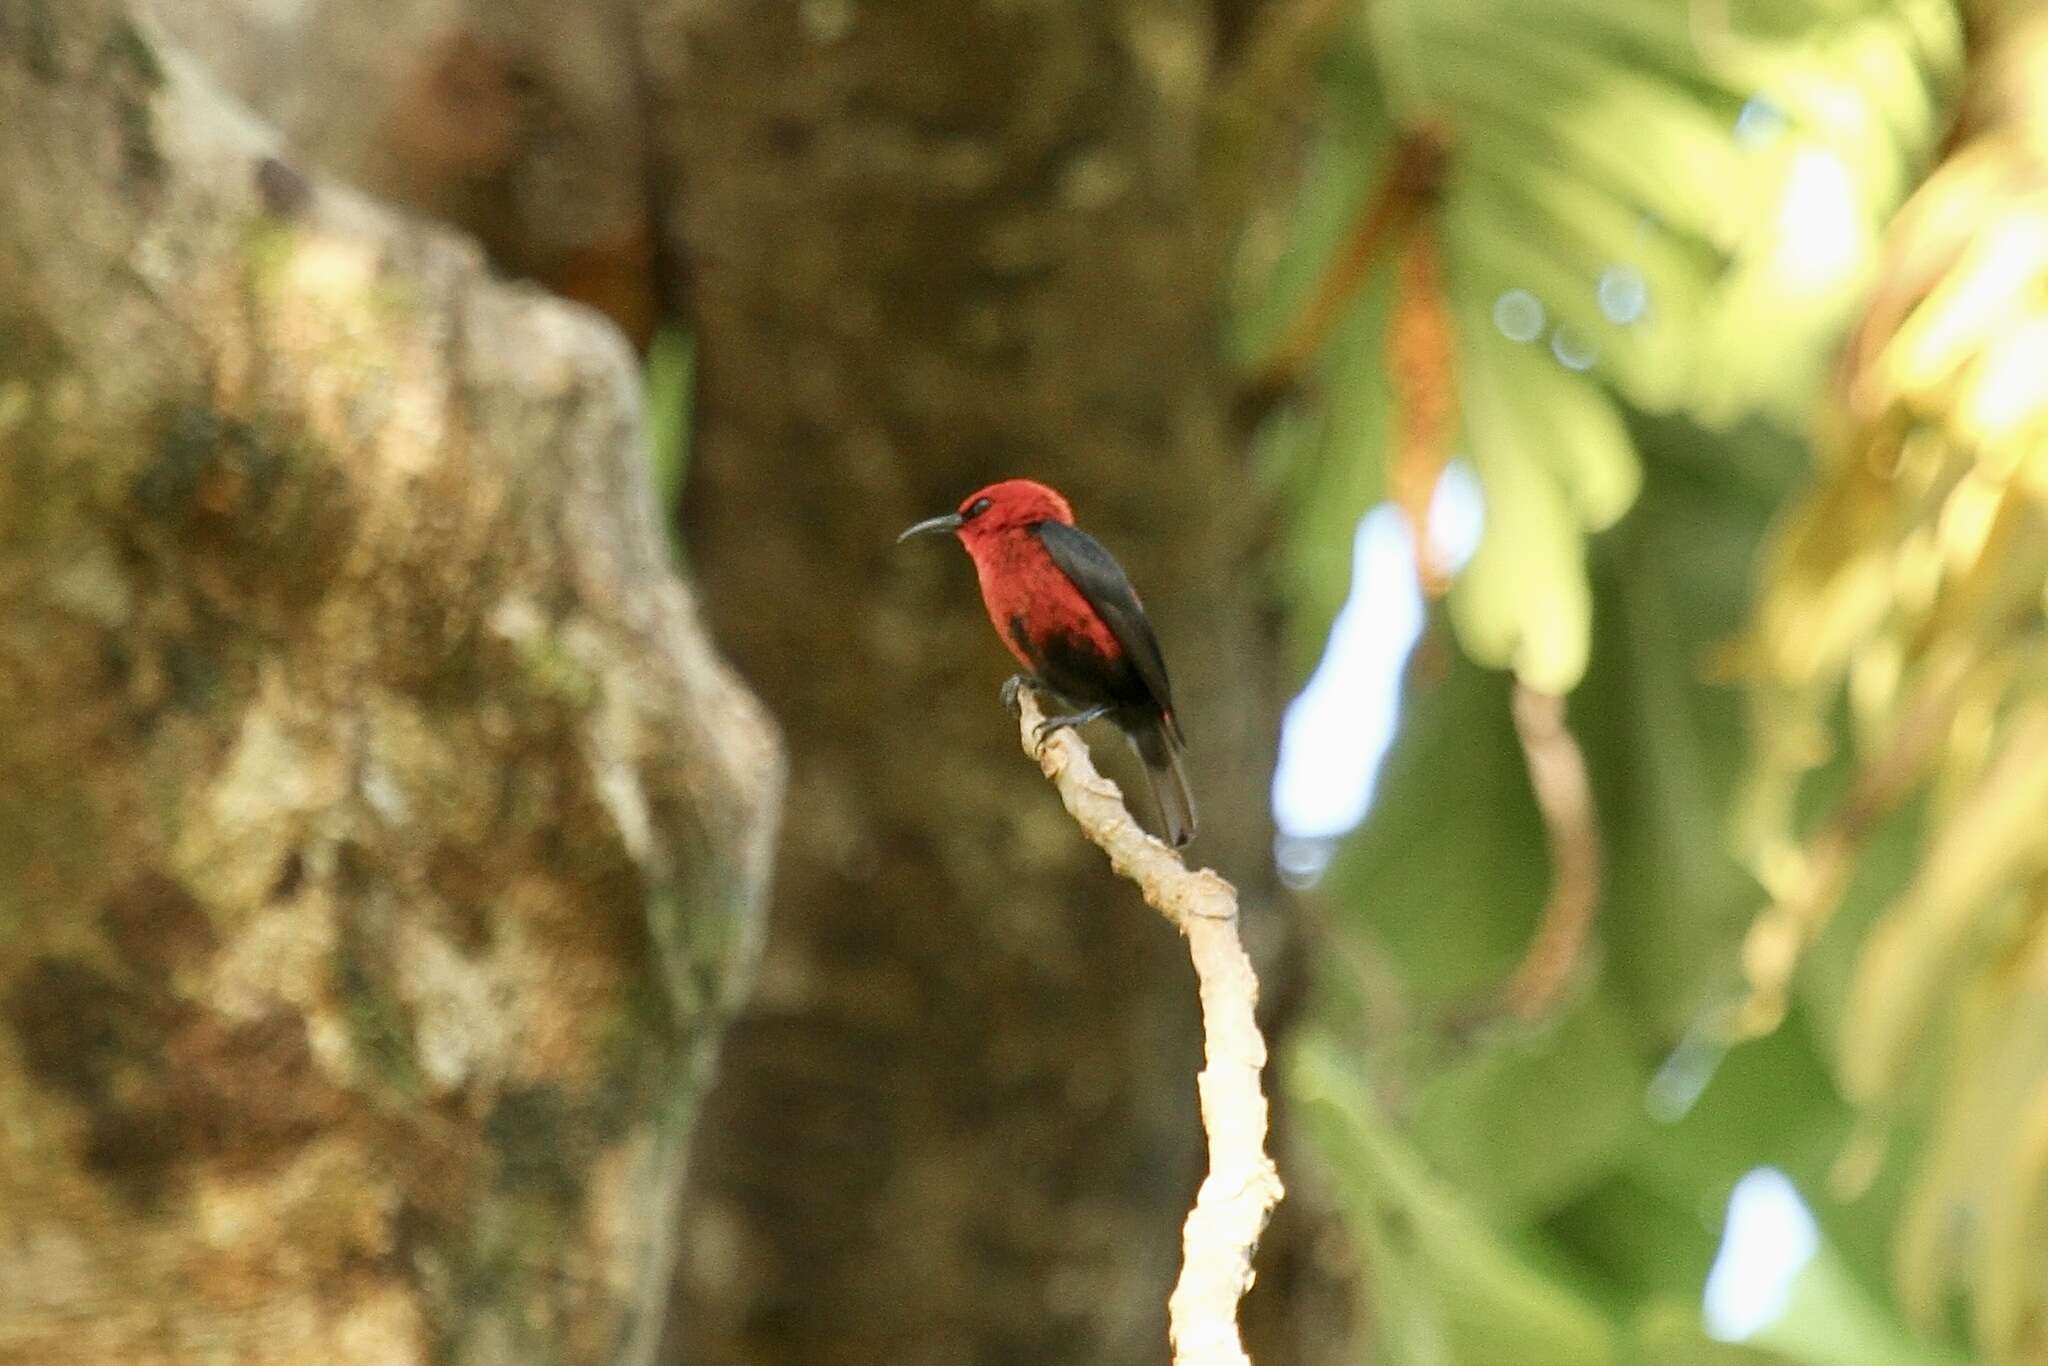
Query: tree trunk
{"points": [[925, 246], [379, 836]]}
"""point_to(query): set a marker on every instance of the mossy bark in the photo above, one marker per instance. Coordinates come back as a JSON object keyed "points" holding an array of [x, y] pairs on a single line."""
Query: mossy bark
{"points": [[380, 839]]}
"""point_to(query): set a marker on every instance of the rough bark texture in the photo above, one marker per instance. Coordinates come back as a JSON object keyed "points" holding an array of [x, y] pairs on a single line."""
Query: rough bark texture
{"points": [[379, 837], [925, 245]]}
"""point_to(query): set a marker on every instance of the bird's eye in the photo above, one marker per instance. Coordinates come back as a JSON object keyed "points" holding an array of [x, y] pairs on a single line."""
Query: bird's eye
{"points": [[978, 506]]}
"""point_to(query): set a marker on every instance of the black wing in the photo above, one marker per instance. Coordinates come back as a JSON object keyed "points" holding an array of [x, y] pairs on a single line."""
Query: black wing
{"points": [[1101, 580]]}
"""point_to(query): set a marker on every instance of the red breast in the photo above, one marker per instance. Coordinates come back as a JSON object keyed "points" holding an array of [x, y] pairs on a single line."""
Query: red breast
{"points": [[1019, 581]]}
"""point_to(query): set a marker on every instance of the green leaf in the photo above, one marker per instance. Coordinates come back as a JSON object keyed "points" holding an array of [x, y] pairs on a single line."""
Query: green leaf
{"points": [[1664, 742], [1448, 873], [1491, 249], [1525, 1125], [1668, 1333], [1523, 601], [1574, 432], [1644, 138], [1492, 1303], [1831, 1320]]}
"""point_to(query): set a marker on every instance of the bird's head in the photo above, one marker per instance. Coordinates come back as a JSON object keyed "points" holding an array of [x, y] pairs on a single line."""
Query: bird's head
{"points": [[999, 508]]}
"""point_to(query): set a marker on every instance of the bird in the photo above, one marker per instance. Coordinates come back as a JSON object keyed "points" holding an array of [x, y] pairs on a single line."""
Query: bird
{"points": [[1069, 615]]}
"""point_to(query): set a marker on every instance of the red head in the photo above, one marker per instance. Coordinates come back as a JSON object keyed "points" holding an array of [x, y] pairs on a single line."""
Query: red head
{"points": [[987, 513]]}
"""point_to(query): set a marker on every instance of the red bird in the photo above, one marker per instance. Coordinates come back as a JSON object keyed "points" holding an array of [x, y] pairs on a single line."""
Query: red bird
{"points": [[1071, 618]]}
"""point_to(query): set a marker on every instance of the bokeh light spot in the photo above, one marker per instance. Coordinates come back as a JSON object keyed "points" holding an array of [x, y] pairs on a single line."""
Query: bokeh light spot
{"points": [[1574, 349], [1820, 226], [1519, 315], [1338, 730], [1759, 123], [1623, 294], [1769, 1238]]}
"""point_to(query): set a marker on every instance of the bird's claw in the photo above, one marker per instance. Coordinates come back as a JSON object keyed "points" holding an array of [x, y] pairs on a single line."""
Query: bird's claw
{"points": [[1012, 686], [1080, 718]]}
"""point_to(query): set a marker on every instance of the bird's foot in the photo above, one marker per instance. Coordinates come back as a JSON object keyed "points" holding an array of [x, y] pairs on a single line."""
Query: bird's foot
{"points": [[1079, 718], [1012, 686]]}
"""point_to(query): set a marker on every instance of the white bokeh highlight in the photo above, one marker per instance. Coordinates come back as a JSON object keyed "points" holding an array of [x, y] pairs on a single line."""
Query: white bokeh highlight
{"points": [[1337, 732], [1769, 1239]]}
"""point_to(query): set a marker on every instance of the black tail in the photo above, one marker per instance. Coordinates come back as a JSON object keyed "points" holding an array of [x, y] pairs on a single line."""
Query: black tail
{"points": [[1158, 744]]}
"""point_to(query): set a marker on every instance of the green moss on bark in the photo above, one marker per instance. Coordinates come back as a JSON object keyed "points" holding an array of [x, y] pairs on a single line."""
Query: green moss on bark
{"points": [[126, 52], [377, 1023], [196, 445], [544, 1144]]}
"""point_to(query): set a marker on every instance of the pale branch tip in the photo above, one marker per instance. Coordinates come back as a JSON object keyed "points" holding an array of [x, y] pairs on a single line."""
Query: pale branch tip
{"points": [[1243, 1186]]}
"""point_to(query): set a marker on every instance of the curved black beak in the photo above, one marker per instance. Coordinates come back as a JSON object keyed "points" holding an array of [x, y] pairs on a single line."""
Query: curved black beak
{"points": [[931, 526]]}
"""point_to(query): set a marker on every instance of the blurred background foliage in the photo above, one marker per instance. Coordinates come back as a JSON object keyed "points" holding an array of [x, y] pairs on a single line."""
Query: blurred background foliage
{"points": [[1600, 259]]}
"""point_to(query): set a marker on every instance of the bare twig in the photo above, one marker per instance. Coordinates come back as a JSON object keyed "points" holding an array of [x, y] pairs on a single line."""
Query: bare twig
{"points": [[1557, 772], [1238, 1196], [1564, 797]]}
